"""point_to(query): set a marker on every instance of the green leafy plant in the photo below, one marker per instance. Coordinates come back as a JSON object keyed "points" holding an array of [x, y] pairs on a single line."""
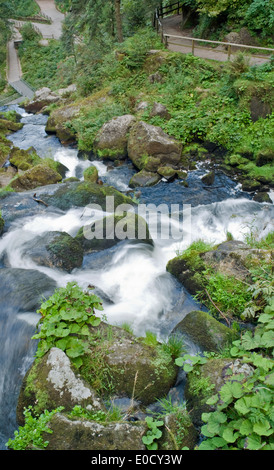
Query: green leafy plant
{"points": [[66, 320], [153, 433], [244, 418], [30, 436]]}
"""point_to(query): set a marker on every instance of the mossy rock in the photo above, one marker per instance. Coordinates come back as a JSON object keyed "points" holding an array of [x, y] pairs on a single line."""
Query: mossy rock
{"points": [[205, 331], [187, 271], [4, 153], [39, 175], [83, 435], [113, 229], [120, 364], [209, 178], [206, 380], [262, 197], [167, 172], [144, 179], [250, 185], [83, 193], [24, 159], [203, 382], [55, 250], [152, 141], [91, 174], [111, 140], [178, 432], [10, 126], [264, 157], [51, 382]]}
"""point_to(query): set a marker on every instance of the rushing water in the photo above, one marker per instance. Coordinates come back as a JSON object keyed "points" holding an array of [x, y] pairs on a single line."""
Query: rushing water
{"points": [[131, 278]]}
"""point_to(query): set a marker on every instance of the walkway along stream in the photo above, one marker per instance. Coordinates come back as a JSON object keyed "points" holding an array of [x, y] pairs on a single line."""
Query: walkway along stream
{"points": [[47, 31]]}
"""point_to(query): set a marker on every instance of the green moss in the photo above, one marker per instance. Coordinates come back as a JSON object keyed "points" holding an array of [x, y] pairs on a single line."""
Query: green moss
{"points": [[91, 174], [24, 159]]}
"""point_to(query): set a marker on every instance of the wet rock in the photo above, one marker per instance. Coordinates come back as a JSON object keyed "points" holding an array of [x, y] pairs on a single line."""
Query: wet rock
{"points": [[209, 178], [112, 230], [81, 194], [111, 140], [91, 174], [57, 121], [167, 172], [205, 331], [43, 97], [144, 179], [146, 140], [262, 197], [7, 126], [53, 378], [24, 288], [55, 250], [86, 435], [40, 175], [24, 159]]}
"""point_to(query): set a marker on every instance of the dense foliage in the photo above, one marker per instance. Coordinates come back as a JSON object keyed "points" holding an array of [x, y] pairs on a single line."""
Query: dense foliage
{"points": [[65, 320]]}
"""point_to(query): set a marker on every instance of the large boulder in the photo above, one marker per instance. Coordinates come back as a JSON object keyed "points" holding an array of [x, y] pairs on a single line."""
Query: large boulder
{"points": [[81, 194], [42, 97], [57, 123], [40, 175], [134, 367], [111, 140], [24, 288], [81, 434], [231, 258], [113, 229], [207, 379], [146, 141], [51, 382], [55, 250], [205, 331], [144, 178]]}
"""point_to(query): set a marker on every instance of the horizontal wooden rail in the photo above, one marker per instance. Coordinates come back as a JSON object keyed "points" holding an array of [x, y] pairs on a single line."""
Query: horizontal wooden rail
{"points": [[229, 45], [218, 42]]}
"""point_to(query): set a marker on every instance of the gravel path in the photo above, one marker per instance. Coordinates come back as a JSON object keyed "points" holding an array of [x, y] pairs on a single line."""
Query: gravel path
{"points": [[172, 26], [48, 31]]}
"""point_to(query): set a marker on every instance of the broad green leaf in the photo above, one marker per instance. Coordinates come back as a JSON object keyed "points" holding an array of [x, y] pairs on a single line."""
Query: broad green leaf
{"points": [[213, 400], [229, 435], [262, 428], [241, 406], [246, 427], [254, 442], [269, 379], [207, 445], [179, 361]]}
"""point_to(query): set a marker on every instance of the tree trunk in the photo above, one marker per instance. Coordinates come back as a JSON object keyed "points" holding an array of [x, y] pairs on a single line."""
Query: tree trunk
{"points": [[119, 20]]}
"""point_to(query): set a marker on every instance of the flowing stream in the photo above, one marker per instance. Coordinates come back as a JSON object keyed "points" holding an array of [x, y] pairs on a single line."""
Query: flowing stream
{"points": [[130, 278]]}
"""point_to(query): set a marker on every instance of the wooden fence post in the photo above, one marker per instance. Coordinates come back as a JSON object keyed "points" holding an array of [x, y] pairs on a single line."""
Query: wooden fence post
{"points": [[193, 46], [228, 52]]}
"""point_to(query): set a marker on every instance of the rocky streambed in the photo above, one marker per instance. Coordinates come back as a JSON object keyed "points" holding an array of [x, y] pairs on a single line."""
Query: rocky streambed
{"points": [[145, 290]]}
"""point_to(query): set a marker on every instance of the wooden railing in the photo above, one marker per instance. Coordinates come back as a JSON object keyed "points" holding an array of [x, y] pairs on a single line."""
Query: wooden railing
{"points": [[228, 45], [191, 42], [166, 10]]}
